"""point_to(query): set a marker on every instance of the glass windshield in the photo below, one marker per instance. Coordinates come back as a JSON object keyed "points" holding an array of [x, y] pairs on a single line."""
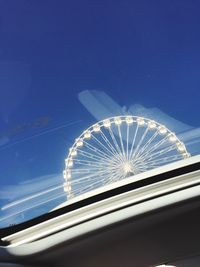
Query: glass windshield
{"points": [[64, 66]]}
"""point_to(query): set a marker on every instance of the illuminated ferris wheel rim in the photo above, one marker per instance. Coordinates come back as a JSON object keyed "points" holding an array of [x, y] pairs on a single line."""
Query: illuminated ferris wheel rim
{"points": [[118, 120], [98, 155]]}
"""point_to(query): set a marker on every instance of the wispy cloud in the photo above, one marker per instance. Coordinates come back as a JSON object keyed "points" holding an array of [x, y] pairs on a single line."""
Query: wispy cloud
{"points": [[102, 106]]}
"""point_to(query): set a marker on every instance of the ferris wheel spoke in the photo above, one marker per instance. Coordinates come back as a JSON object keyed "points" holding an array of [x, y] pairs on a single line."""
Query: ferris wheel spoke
{"points": [[90, 155], [95, 176], [139, 143], [88, 163], [116, 176], [156, 165], [96, 150], [147, 144], [127, 140], [165, 159], [87, 178], [160, 152], [103, 146], [88, 188], [133, 142], [114, 141], [91, 163], [110, 145], [87, 168], [76, 186], [91, 167], [152, 163], [156, 146], [141, 168], [121, 141], [106, 179], [94, 166], [157, 157]]}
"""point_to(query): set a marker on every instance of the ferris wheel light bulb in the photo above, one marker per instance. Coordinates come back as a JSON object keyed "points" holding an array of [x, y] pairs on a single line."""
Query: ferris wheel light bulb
{"points": [[152, 124], [69, 175], [140, 121], [172, 137], [70, 163], [73, 153], [67, 187], [96, 128], [118, 121], [64, 174], [79, 143], [162, 130], [87, 135], [181, 147], [107, 123], [129, 120], [186, 155]]}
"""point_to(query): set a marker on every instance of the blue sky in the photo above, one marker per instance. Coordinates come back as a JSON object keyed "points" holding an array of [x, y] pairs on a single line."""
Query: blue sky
{"points": [[137, 51], [140, 51]]}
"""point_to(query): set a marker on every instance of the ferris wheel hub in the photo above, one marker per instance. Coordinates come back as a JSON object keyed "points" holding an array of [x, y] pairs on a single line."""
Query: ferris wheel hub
{"points": [[127, 168]]}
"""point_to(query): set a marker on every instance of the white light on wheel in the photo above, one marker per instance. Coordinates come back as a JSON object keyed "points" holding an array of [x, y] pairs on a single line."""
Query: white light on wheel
{"points": [[119, 148]]}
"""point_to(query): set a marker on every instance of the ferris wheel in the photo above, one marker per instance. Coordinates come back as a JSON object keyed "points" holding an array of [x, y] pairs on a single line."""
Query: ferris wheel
{"points": [[116, 148]]}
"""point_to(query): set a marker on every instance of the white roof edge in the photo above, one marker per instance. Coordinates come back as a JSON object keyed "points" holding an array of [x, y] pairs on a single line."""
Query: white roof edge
{"points": [[25, 249], [158, 191], [134, 178]]}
